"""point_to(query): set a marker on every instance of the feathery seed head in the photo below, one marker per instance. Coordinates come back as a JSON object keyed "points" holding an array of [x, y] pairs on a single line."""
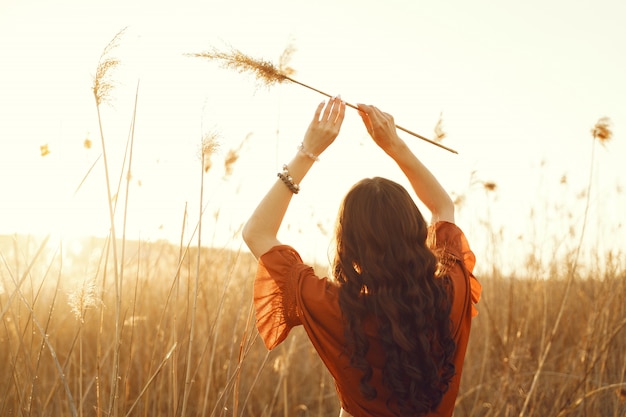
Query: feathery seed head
{"points": [[229, 162], [602, 130], [439, 132], [44, 150], [82, 298], [263, 70], [210, 144], [233, 156], [103, 83], [489, 185]]}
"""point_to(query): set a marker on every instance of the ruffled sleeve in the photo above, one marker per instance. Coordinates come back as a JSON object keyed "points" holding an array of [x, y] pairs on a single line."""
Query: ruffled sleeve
{"points": [[275, 293], [450, 244]]}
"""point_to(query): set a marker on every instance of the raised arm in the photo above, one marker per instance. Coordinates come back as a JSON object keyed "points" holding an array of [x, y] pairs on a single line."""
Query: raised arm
{"points": [[260, 231], [381, 128]]}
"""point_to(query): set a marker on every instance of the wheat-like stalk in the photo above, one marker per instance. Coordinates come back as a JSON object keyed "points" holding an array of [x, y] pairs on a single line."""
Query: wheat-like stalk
{"points": [[269, 74]]}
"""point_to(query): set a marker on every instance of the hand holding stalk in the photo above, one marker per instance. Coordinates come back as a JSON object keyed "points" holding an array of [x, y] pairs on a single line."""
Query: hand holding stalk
{"points": [[269, 74]]}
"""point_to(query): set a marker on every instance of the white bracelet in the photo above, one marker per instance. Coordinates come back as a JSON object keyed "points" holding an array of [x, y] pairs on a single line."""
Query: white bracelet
{"points": [[303, 150]]}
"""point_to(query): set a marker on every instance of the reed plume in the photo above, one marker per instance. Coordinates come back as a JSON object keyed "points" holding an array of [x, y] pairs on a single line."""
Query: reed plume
{"points": [[263, 70], [489, 186], [210, 144], [233, 156], [82, 298], [103, 82], [229, 162], [602, 130], [269, 74], [44, 150], [440, 134]]}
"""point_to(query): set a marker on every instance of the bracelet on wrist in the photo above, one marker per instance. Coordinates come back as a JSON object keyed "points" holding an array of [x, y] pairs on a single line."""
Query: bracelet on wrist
{"points": [[304, 151], [288, 181]]}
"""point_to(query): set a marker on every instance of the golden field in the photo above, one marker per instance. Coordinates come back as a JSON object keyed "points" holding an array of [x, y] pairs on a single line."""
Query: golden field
{"points": [[173, 334]]}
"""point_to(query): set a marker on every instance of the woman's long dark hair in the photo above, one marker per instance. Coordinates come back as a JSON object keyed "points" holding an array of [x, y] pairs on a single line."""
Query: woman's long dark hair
{"points": [[388, 274]]}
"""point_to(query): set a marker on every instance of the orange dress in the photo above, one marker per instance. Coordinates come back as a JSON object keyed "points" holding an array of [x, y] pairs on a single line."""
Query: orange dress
{"points": [[287, 293]]}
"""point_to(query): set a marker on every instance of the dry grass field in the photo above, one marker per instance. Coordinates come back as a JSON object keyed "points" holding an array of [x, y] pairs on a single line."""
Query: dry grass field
{"points": [[177, 337]]}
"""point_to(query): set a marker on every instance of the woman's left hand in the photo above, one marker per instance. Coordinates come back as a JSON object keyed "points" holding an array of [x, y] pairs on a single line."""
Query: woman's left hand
{"points": [[325, 125]]}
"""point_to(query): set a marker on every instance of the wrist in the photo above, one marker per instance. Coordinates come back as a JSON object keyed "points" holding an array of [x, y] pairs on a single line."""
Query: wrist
{"points": [[299, 166], [302, 149], [397, 149]]}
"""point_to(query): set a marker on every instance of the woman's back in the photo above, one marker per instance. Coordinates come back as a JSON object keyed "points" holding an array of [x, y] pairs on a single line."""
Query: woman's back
{"points": [[287, 293]]}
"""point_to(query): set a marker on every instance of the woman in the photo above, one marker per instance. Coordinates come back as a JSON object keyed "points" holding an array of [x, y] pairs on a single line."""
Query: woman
{"points": [[392, 326]]}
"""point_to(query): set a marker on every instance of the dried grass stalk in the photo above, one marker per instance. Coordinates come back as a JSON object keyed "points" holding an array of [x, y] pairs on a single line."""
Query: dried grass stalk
{"points": [[269, 74]]}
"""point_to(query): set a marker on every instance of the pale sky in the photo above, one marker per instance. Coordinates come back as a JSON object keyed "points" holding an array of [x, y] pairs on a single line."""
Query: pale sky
{"points": [[519, 86]]}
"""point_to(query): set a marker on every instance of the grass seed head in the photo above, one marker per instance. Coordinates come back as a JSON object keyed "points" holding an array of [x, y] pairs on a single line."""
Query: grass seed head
{"points": [[210, 144], [84, 297], [44, 150], [602, 130], [103, 82], [489, 186], [263, 70], [229, 162], [439, 132], [233, 156]]}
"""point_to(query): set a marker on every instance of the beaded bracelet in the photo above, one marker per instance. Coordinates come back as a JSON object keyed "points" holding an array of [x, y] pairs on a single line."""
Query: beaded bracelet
{"points": [[302, 149], [286, 178]]}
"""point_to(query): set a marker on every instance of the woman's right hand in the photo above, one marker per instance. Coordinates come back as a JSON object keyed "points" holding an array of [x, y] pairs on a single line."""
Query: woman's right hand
{"points": [[381, 127], [325, 126]]}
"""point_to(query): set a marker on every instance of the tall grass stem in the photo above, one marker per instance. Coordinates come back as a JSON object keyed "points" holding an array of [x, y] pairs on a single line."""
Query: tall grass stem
{"points": [[570, 279]]}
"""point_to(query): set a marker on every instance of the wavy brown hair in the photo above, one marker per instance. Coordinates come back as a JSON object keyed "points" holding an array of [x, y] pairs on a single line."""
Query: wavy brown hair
{"points": [[388, 275]]}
